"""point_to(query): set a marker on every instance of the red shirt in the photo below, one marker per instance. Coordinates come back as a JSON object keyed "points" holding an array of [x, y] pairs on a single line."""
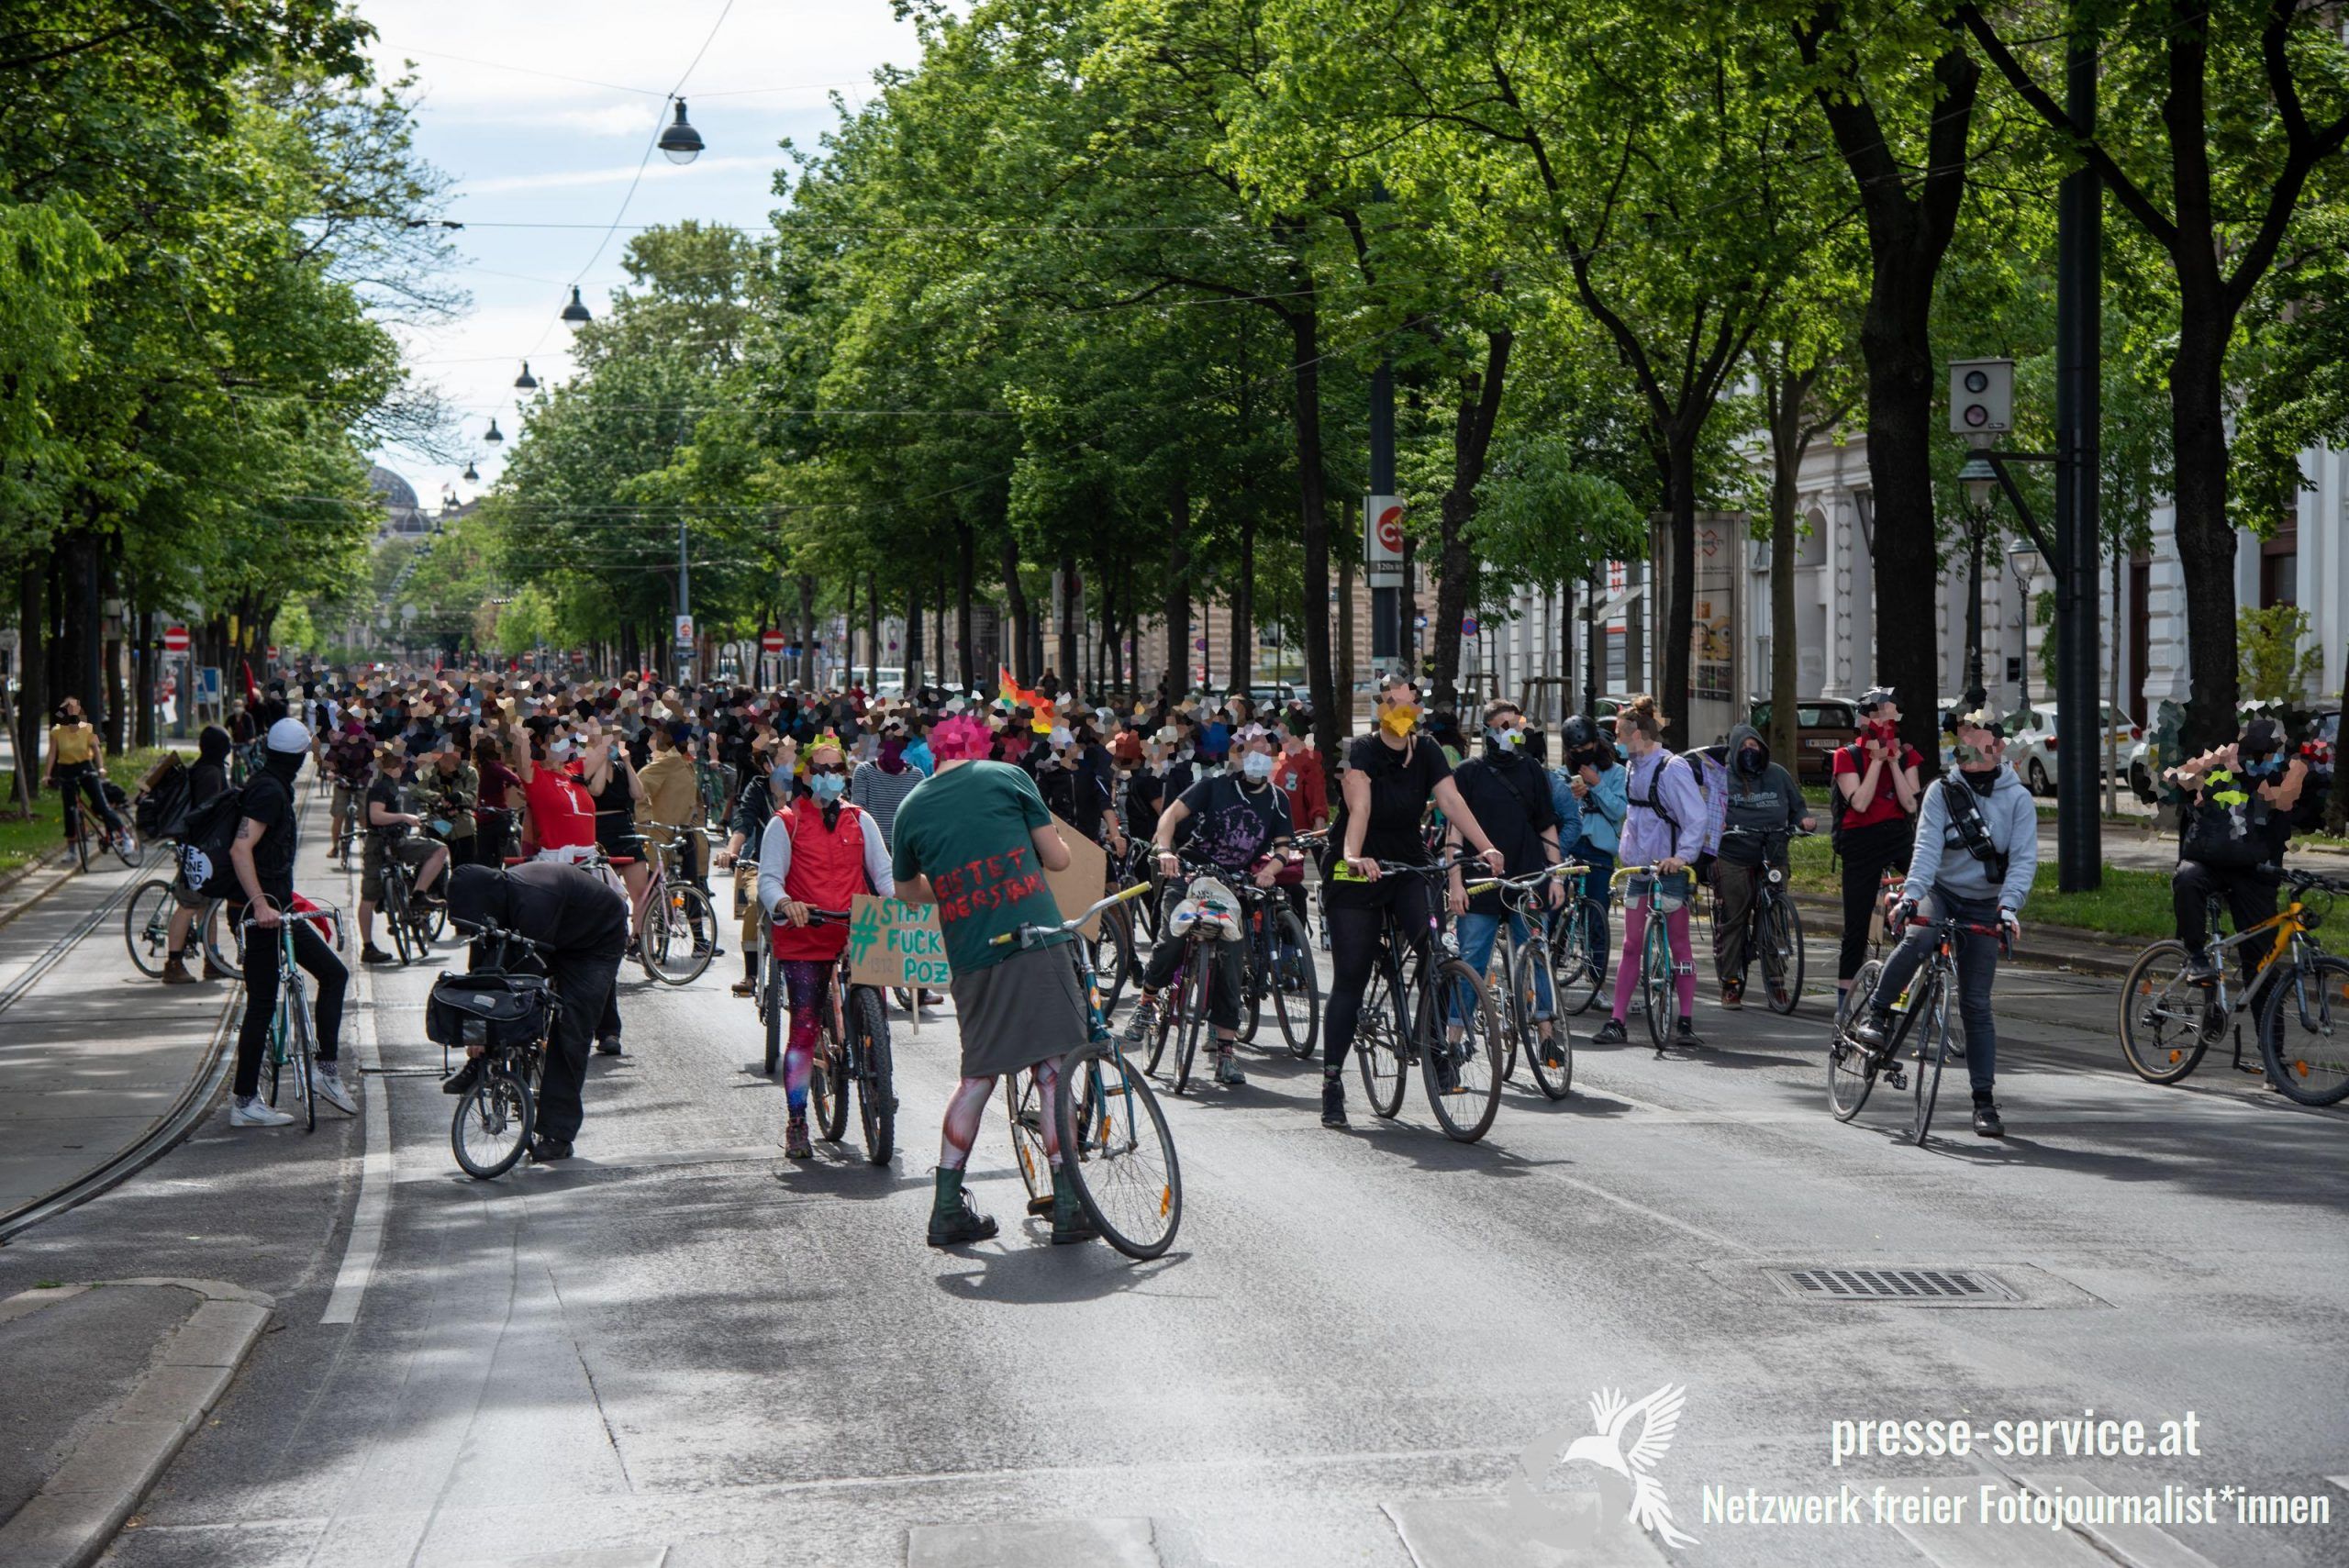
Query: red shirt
{"points": [[1297, 775], [561, 813], [1886, 807]]}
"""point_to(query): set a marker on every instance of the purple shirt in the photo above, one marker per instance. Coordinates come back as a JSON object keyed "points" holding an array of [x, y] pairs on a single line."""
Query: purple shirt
{"points": [[1647, 837]]}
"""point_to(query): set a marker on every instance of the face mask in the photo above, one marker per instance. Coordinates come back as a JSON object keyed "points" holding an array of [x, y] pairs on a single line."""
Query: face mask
{"points": [[1400, 720], [826, 787], [2263, 767], [1982, 782], [1257, 765], [1750, 762], [1505, 740], [559, 751], [891, 747]]}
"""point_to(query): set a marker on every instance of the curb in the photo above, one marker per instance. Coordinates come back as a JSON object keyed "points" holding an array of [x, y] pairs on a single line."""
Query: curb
{"points": [[2080, 951], [77, 1512]]}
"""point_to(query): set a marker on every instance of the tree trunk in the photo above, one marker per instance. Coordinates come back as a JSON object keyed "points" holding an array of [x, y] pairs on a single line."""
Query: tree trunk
{"points": [[32, 697], [873, 634], [807, 630], [2336, 801], [1786, 395], [913, 650], [1242, 659], [967, 550], [1064, 617], [2206, 540], [1015, 607], [1174, 680], [1457, 564], [1305, 329], [1345, 672]]}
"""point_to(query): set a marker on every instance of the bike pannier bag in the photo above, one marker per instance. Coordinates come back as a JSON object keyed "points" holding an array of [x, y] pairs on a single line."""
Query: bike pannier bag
{"points": [[492, 1010]]}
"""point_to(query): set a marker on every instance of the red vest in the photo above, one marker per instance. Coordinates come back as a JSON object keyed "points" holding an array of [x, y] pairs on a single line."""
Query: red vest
{"points": [[826, 870]]}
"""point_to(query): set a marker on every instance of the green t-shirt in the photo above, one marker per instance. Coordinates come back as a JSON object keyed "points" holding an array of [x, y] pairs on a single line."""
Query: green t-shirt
{"points": [[967, 831]]}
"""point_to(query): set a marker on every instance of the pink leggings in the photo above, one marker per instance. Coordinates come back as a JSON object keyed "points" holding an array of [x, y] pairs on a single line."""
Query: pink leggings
{"points": [[968, 1104], [1627, 968]]}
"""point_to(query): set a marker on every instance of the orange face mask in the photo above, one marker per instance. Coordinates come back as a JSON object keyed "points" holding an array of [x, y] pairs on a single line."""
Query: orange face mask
{"points": [[1400, 720]]}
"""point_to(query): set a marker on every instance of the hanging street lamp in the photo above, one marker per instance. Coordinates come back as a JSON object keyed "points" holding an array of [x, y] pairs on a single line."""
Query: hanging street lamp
{"points": [[680, 142]]}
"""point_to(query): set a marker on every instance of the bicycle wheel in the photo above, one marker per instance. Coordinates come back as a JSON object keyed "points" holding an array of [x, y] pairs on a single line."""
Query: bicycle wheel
{"points": [[1382, 1045], [1782, 960], [828, 1077], [1555, 1080], [127, 848], [1932, 1049], [226, 956], [1113, 958], [1851, 1066], [770, 999], [2161, 1014], [1297, 990], [876, 1088], [1655, 980], [80, 835], [1459, 1051], [1255, 979], [1163, 1017], [1578, 957], [395, 913], [679, 935], [2304, 1032], [1118, 1152], [1020, 1104], [302, 1046], [1516, 1022], [434, 925], [492, 1123], [147, 925], [1197, 986]]}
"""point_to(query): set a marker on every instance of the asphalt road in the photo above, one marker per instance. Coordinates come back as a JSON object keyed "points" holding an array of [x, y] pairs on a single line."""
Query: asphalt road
{"points": [[679, 1349]]}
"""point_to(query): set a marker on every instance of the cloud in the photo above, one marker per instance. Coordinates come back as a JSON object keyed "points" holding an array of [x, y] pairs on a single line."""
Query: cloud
{"points": [[616, 175]]}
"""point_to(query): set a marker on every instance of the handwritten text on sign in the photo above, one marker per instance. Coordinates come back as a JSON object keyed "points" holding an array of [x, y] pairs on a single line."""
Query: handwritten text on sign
{"points": [[892, 942]]}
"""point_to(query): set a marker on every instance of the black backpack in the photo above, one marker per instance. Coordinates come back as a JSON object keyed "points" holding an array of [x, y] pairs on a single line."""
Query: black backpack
{"points": [[205, 837]]}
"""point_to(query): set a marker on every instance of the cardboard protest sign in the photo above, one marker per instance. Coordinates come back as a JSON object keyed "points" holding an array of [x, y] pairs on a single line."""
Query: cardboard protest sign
{"points": [[894, 943], [1081, 885]]}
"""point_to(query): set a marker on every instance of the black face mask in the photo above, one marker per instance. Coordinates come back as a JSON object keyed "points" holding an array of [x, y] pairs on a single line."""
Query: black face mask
{"points": [[285, 765], [1982, 782], [1751, 762]]}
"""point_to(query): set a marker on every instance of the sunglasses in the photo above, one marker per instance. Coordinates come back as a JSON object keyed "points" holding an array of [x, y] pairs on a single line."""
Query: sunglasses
{"points": [[831, 770]]}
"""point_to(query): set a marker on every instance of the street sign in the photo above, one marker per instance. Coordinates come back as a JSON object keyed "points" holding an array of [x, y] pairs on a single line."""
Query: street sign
{"points": [[770, 641], [207, 684], [1382, 541], [176, 639], [1981, 397], [272, 651], [1468, 626], [684, 631]]}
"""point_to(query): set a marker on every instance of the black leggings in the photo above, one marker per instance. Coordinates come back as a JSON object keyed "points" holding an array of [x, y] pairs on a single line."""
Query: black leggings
{"points": [[1867, 853], [1355, 922], [328, 979]]}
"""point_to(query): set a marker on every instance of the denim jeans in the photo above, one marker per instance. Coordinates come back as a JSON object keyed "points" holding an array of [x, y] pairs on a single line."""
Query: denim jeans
{"points": [[1476, 933], [1977, 965]]}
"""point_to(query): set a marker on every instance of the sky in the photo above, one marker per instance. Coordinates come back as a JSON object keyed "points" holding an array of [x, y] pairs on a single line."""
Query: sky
{"points": [[541, 115]]}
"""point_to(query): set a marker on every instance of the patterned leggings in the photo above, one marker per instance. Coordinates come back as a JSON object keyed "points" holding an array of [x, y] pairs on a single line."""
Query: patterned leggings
{"points": [[968, 1103], [803, 981]]}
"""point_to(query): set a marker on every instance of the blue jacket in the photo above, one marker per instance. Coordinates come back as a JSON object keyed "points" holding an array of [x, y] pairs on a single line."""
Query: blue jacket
{"points": [[1602, 809], [1941, 859]]}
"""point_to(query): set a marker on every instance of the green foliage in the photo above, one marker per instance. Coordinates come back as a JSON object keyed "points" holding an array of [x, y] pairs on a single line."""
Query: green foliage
{"points": [[2274, 666]]}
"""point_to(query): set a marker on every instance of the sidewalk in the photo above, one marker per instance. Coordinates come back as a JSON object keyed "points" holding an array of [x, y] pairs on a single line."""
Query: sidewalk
{"points": [[2042, 947]]}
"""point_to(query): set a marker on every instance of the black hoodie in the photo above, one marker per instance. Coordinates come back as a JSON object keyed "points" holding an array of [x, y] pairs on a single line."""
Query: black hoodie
{"points": [[208, 775]]}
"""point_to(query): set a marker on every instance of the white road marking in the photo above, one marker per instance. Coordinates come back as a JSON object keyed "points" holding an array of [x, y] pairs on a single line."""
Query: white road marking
{"points": [[375, 1210]]}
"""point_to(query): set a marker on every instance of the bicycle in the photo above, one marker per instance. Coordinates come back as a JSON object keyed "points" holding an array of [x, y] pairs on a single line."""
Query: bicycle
{"points": [[292, 1034], [1889, 887], [1658, 969], [1402, 1021], [677, 936], [1181, 1007], [1579, 947], [1277, 965], [147, 930], [1526, 973], [1114, 1143], [123, 843], [511, 1017], [413, 931], [853, 1048], [1773, 924], [2169, 1017], [1852, 1068]]}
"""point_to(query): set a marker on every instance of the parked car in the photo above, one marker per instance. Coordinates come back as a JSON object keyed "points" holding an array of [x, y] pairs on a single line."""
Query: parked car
{"points": [[1821, 724], [2030, 743]]}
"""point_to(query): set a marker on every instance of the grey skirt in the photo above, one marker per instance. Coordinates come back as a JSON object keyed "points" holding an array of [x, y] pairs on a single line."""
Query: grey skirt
{"points": [[1020, 1012]]}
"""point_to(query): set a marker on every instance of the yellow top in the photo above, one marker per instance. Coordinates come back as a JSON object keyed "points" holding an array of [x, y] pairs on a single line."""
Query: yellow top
{"points": [[72, 744], [670, 794]]}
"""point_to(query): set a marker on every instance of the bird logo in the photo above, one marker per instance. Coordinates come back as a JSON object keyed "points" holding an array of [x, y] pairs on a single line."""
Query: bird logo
{"points": [[1623, 1452]]}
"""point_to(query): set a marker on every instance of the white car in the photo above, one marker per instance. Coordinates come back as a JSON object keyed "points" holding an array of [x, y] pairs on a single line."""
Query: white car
{"points": [[2030, 743]]}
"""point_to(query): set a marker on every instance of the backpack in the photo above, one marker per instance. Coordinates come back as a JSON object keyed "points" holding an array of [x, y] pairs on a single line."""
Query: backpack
{"points": [[206, 834], [1965, 817], [2227, 827], [160, 811]]}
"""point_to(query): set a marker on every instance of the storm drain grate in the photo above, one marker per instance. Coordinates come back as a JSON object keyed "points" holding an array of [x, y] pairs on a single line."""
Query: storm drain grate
{"points": [[1922, 1287]]}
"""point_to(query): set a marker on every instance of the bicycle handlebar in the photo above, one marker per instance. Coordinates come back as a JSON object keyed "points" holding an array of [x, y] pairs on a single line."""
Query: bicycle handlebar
{"points": [[490, 930], [1027, 936], [288, 916], [1527, 883]]}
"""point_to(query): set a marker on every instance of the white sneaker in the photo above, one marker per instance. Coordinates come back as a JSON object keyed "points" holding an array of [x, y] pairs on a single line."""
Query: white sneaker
{"points": [[326, 1086], [255, 1112]]}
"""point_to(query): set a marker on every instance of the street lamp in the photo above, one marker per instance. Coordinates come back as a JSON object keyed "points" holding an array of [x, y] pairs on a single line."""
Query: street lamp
{"points": [[1977, 476], [472, 475], [680, 143], [2025, 560], [526, 381], [494, 435], [575, 313]]}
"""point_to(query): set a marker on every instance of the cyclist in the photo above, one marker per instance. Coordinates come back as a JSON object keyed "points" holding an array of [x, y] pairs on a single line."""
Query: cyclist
{"points": [[672, 795], [262, 856], [976, 840], [78, 756], [455, 788], [1509, 793], [1597, 779], [388, 821], [2234, 839], [350, 763], [1390, 778], [1759, 796], [207, 778], [582, 921], [611, 781], [766, 788], [1875, 783], [1977, 847], [1238, 823], [818, 853], [1662, 826]]}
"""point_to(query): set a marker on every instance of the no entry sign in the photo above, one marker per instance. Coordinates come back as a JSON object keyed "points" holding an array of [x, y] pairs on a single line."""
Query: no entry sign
{"points": [[176, 639], [772, 641]]}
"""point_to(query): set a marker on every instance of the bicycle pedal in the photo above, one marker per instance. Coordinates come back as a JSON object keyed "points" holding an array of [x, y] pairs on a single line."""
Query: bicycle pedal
{"points": [[1894, 1076]]}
